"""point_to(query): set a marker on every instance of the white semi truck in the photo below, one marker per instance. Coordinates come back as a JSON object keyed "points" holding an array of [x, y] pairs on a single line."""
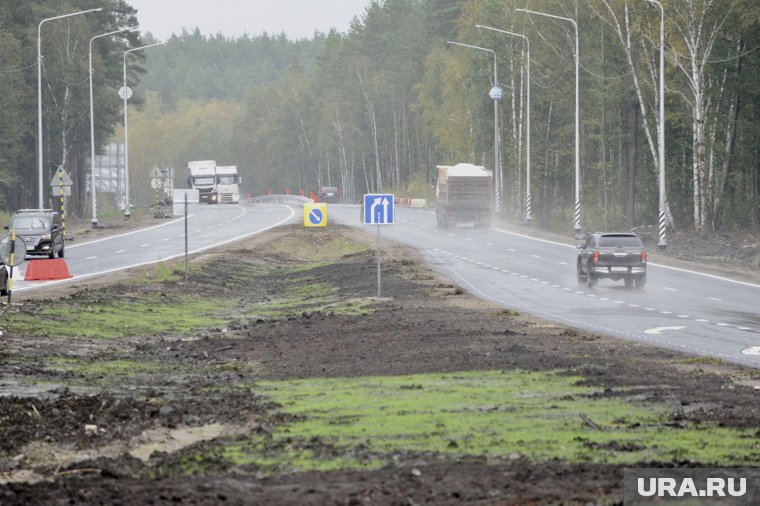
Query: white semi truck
{"points": [[228, 184], [202, 177]]}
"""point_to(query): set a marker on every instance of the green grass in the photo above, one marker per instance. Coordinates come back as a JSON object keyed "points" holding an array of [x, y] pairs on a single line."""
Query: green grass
{"points": [[109, 368], [703, 361], [362, 422], [151, 315]]}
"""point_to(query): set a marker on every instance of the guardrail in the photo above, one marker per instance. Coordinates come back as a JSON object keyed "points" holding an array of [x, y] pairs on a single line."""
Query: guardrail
{"points": [[296, 200]]}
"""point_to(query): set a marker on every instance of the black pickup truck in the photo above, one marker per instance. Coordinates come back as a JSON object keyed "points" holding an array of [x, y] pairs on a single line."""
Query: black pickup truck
{"points": [[614, 256]]}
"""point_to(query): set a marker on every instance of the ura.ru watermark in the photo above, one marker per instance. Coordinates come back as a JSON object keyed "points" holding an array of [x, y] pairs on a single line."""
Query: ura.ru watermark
{"points": [[723, 486]]}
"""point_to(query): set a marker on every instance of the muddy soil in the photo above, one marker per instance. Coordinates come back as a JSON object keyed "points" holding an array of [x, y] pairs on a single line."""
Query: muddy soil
{"points": [[64, 440]]}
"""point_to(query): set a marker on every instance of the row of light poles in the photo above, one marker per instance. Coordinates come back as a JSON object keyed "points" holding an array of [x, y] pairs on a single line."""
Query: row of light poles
{"points": [[125, 93], [661, 127]]}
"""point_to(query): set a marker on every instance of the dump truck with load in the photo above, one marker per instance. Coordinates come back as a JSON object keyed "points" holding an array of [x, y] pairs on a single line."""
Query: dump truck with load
{"points": [[464, 195]]}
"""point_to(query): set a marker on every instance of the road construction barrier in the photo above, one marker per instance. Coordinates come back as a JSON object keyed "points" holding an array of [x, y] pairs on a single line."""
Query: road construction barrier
{"points": [[410, 202], [47, 270]]}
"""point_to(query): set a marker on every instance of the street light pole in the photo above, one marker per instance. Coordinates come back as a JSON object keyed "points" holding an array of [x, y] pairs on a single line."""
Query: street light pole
{"points": [[40, 199], [577, 226], [528, 203], [663, 241], [92, 128], [496, 140], [125, 96]]}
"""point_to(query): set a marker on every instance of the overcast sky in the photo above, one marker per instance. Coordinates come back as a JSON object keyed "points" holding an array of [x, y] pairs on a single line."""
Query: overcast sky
{"points": [[297, 18]]}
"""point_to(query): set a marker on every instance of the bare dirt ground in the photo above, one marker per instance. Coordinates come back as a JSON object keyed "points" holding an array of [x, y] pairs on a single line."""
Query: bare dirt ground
{"points": [[104, 440]]}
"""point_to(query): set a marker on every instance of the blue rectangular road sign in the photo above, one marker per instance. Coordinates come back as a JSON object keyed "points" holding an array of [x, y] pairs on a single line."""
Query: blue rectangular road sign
{"points": [[378, 209]]}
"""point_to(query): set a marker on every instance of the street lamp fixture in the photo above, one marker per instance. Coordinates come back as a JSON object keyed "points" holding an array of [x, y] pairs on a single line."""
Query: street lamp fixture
{"points": [[92, 127], [496, 143], [528, 200], [663, 240], [40, 199], [125, 95], [577, 226]]}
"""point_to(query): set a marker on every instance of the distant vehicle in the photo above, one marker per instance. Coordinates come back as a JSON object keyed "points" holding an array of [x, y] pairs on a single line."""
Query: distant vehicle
{"points": [[41, 230], [613, 256], [201, 176], [464, 195], [228, 184], [3, 280], [329, 194]]}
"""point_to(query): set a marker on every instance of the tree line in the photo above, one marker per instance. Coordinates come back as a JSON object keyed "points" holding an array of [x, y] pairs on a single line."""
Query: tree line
{"points": [[378, 107]]}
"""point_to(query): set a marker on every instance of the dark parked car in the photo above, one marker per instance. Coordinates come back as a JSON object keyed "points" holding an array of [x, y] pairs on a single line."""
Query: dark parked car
{"points": [[41, 230], [614, 256]]}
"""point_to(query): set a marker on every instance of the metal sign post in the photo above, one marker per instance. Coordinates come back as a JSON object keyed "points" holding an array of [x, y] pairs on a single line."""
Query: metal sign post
{"points": [[378, 210], [186, 261]]}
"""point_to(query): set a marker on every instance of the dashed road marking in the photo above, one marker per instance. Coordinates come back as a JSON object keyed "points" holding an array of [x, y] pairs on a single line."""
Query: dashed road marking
{"points": [[91, 258], [670, 289]]}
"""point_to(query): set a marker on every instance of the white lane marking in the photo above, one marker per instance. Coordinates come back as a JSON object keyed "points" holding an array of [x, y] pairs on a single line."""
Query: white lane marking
{"points": [[653, 264], [666, 312], [649, 309], [489, 244], [534, 280], [743, 328], [468, 239], [563, 263], [715, 299], [536, 256], [670, 289], [144, 245], [605, 298], [755, 350], [512, 250], [659, 330], [120, 251], [91, 258], [580, 293], [702, 320], [684, 316], [723, 324], [80, 244], [633, 305], [619, 301], [555, 286]]}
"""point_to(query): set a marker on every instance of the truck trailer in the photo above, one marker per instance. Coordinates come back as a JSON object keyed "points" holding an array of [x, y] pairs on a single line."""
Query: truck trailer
{"points": [[464, 196]]}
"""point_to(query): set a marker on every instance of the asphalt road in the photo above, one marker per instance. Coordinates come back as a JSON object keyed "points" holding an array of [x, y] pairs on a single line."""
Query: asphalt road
{"points": [[212, 227], [695, 312]]}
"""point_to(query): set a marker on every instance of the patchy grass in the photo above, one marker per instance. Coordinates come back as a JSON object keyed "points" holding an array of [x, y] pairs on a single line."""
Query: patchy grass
{"points": [[148, 315], [109, 368], [703, 361], [321, 248], [362, 422]]}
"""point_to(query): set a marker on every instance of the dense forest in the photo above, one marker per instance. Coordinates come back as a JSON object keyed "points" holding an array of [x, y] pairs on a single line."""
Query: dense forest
{"points": [[377, 108]]}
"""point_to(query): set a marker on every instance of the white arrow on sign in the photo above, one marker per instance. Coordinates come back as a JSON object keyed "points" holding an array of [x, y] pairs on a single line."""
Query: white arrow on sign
{"points": [[755, 350], [658, 330]]}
